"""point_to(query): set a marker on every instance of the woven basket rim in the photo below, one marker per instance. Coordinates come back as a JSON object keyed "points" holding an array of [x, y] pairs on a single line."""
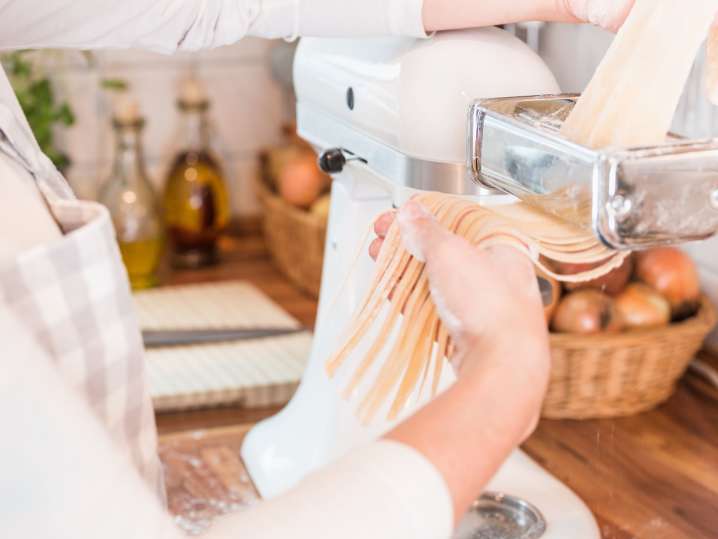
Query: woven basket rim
{"points": [[702, 322]]}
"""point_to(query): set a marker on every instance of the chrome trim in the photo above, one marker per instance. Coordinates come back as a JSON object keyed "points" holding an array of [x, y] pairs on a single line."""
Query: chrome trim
{"points": [[478, 112], [325, 131]]}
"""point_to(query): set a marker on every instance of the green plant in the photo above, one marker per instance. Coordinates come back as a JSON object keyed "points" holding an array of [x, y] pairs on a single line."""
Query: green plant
{"points": [[38, 101]]}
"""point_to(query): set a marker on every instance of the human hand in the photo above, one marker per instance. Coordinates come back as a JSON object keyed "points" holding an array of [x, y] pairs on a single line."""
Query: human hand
{"points": [[607, 14], [381, 229], [488, 298]]}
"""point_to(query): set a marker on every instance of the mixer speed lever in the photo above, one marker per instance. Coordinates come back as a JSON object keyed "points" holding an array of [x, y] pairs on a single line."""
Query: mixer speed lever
{"points": [[332, 161]]}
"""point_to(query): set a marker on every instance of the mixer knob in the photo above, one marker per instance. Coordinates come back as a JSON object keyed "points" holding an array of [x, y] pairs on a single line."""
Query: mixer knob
{"points": [[332, 161]]}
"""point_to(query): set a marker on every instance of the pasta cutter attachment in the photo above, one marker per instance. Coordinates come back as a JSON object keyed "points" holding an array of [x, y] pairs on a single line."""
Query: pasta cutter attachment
{"points": [[631, 198]]}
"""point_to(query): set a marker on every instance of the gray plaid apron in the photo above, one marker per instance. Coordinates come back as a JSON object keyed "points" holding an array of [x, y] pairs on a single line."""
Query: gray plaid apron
{"points": [[73, 297]]}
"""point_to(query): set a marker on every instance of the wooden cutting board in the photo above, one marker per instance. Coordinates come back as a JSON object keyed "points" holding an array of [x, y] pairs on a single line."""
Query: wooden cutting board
{"points": [[205, 476]]}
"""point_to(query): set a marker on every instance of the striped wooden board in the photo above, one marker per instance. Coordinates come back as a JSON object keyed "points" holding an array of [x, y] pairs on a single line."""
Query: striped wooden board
{"points": [[256, 373]]}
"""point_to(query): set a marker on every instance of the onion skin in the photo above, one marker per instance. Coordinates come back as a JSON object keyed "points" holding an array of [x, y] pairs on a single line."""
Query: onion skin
{"points": [[586, 312], [640, 306], [301, 182], [321, 207], [674, 275], [550, 309], [612, 283]]}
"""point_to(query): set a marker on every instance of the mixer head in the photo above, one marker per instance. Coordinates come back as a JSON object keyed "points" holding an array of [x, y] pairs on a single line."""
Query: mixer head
{"points": [[631, 198]]}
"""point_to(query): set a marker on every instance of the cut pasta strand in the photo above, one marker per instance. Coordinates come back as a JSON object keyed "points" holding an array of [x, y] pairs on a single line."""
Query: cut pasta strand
{"points": [[400, 304]]}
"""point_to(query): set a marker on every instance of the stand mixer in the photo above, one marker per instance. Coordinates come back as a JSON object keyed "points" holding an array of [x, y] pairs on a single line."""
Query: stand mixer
{"points": [[390, 118]]}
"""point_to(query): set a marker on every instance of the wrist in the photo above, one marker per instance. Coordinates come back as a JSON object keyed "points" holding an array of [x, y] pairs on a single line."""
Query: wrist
{"points": [[560, 11], [518, 390], [517, 372], [546, 11], [476, 352], [455, 14]]}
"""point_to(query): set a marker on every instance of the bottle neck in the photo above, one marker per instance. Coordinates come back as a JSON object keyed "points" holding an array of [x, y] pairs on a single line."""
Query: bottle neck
{"points": [[129, 160], [195, 132]]}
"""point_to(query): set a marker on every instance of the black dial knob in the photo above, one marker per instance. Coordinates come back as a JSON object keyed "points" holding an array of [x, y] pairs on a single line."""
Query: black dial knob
{"points": [[332, 161]]}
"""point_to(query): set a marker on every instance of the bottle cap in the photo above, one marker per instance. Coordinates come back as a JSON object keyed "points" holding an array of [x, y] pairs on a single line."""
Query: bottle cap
{"points": [[126, 110], [193, 93]]}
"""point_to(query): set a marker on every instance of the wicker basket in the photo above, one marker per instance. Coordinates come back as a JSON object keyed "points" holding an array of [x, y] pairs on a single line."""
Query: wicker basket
{"points": [[295, 239], [622, 374]]}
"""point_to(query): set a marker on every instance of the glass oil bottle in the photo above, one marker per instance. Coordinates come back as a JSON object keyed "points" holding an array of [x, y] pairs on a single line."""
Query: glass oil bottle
{"points": [[132, 201], [196, 203]]}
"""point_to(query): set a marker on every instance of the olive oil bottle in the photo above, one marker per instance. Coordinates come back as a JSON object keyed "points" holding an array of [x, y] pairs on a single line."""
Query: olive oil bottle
{"points": [[196, 203], [131, 199]]}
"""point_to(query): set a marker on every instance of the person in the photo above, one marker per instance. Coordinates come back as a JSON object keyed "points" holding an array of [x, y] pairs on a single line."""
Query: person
{"points": [[79, 453]]}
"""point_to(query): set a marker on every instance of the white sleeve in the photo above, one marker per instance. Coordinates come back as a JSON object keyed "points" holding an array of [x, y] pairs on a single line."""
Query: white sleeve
{"points": [[170, 25], [385, 490], [62, 476], [340, 18], [68, 480]]}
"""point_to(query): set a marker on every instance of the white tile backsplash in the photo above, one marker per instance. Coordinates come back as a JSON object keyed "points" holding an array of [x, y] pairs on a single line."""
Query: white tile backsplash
{"points": [[79, 87], [572, 52], [248, 109], [243, 191], [252, 105]]}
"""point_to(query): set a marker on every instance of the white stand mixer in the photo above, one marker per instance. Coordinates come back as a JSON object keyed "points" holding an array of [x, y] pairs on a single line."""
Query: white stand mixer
{"points": [[395, 111]]}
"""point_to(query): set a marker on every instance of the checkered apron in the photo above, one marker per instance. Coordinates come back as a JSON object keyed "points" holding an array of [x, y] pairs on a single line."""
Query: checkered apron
{"points": [[73, 297]]}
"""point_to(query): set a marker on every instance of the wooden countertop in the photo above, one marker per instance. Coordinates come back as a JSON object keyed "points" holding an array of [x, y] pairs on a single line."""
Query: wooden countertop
{"points": [[652, 476]]}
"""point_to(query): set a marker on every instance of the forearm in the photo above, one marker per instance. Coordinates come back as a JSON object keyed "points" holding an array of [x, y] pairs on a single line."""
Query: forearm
{"points": [[384, 490], [454, 14], [469, 431], [169, 25]]}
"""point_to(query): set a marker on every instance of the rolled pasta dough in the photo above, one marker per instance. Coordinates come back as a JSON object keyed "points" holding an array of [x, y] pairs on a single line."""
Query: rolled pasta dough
{"points": [[631, 100]]}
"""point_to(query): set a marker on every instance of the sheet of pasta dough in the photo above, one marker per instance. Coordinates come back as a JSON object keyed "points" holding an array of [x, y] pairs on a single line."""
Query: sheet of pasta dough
{"points": [[632, 98], [711, 69]]}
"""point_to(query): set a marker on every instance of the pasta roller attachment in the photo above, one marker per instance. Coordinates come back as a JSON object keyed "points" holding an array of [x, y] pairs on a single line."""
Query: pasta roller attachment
{"points": [[631, 198]]}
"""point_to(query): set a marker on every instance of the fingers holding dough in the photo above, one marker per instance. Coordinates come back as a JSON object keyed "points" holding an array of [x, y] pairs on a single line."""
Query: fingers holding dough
{"points": [[711, 66]]}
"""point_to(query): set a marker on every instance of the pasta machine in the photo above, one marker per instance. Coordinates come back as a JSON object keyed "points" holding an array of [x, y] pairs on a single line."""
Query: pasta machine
{"points": [[631, 198], [389, 118]]}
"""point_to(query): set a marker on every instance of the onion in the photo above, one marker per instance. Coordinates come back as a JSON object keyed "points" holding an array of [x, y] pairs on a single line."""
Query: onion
{"points": [[549, 309], [612, 283], [640, 306], [301, 182], [321, 207], [672, 274], [585, 312]]}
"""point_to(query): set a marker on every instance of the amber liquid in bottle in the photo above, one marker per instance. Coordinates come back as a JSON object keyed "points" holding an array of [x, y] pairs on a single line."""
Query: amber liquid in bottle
{"points": [[141, 258], [196, 203]]}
